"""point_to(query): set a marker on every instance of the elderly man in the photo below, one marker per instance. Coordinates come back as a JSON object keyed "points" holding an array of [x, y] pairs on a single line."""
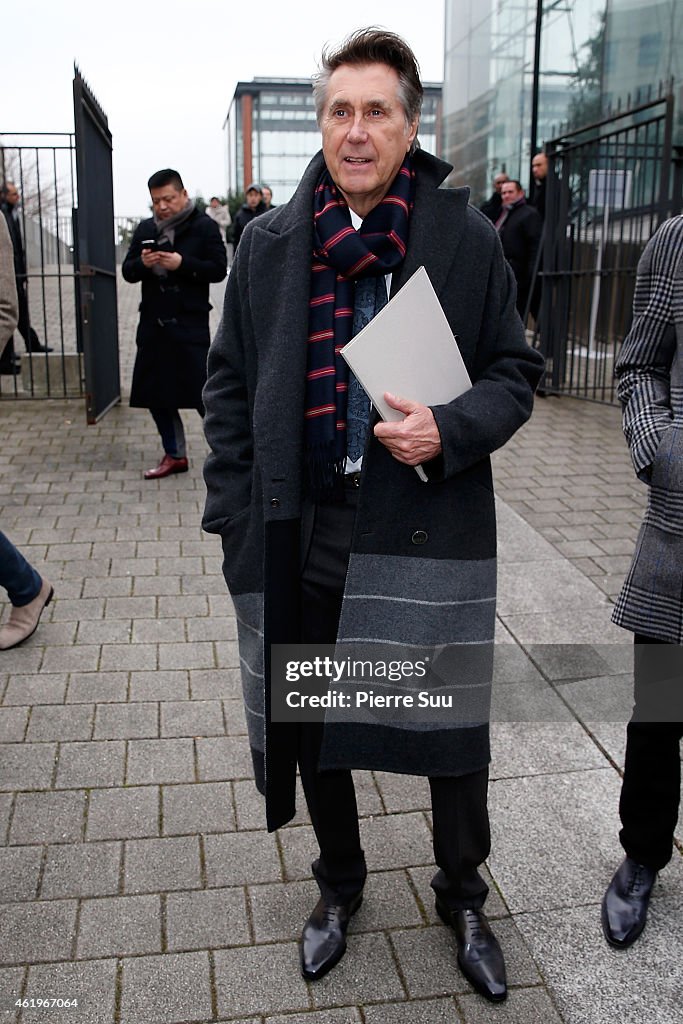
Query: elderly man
{"points": [[328, 532], [176, 254]]}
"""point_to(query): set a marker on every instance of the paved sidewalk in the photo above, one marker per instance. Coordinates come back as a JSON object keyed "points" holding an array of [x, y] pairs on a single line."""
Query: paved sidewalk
{"points": [[135, 870]]}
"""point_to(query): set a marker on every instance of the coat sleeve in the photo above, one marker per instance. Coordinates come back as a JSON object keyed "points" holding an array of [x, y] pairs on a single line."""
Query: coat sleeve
{"points": [[505, 375], [133, 269], [227, 422], [8, 289], [212, 266], [644, 362]]}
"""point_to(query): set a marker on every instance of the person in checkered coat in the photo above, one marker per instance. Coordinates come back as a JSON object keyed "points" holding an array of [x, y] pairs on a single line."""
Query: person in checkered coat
{"points": [[650, 371]]}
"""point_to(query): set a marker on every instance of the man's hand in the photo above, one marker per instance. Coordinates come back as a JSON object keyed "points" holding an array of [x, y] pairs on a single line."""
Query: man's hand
{"points": [[170, 260], [416, 438], [149, 257]]}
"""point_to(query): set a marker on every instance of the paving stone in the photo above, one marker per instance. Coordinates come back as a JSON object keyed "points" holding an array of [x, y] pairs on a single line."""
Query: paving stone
{"points": [[367, 973], [192, 718], [126, 721], [224, 758], [71, 659], [127, 813], [5, 810], [119, 926], [261, 979], [13, 724], [338, 1015], [227, 654], [105, 631], [403, 792], [278, 910], [11, 981], [131, 608], [160, 761], [210, 919], [88, 765], [168, 685], [185, 607], [200, 807], [83, 869], [48, 818], [128, 656], [37, 932], [170, 989], [35, 689], [426, 1011], [158, 631], [19, 870], [218, 683], [241, 858], [97, 687], [93, 984], [402, 840], [186, 655], [153, 865], [61, 723], [522, 1006]]}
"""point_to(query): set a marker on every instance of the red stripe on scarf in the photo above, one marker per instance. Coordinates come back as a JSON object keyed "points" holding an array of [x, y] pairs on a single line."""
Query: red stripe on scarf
{"points": [[314, 374], [322, 299], [321, 335], [399, 243], [320, 410], [339, 237], [366, 261]]}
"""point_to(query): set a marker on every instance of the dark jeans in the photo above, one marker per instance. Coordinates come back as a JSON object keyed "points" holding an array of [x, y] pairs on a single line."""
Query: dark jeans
{"points": [[459, 809], [17, 576], [171, 431], [650, 792]]}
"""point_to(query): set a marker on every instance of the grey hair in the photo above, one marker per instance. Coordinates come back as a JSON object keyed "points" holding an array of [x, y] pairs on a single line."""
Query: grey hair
{"points": [[373, 46]]}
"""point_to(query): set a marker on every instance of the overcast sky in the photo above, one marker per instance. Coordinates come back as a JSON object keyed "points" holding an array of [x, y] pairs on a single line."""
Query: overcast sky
{"points": [[164, 72]]}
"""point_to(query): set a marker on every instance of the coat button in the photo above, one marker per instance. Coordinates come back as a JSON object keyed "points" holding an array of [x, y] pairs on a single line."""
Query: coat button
{"points": [[419, 537], [274, 502]]}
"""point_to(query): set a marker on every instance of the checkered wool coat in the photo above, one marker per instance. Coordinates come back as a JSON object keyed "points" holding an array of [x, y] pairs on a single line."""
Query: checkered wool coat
{"points": [[650, 370], [422, 568]]}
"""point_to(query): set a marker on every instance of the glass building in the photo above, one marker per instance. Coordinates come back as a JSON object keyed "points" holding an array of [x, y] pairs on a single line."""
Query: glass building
{"points": [[592, 55], [271, 132]]}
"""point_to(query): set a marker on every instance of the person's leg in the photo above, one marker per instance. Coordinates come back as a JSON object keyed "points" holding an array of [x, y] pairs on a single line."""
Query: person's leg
{"points": [[462, 839], [171, 430], [17, 575], [28, 594], [650, 792], [31, 340]]}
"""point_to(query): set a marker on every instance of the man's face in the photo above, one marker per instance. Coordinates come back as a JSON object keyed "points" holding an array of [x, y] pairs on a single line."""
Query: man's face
{"points": [[267, 196], [499, 181], [12, 196], [510, 193], [539, 166], [253, 198], [168, 200], [364, 132], [215, 204]]}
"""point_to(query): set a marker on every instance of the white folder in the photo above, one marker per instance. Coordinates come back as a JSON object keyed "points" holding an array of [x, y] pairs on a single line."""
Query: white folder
{"points": [[409, 350]]}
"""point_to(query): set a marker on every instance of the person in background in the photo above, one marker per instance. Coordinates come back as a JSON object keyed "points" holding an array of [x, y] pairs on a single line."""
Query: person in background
{"points": [[492, 207], [175, 254], [219, 213], [328, 533], [539, 170], [253, 206], [520, 228], [9, 204], [267, 197]]}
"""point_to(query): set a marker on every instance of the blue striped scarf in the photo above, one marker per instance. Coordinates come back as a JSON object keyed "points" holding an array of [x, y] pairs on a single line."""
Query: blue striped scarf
{"points": [[340, 256]]}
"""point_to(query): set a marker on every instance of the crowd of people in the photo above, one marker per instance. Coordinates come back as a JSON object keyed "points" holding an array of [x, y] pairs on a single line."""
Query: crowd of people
{"points": [[331, 537]]}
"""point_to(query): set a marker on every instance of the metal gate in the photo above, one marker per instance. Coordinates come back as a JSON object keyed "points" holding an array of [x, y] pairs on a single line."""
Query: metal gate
{"points": [[68, 262], [95, 253], [609, 186]]}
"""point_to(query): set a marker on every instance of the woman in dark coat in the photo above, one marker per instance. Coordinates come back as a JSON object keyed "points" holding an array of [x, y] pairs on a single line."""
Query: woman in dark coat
{"points": [[176, 254]]}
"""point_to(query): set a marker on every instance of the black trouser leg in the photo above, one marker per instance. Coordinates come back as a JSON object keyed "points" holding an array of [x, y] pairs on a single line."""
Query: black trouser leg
{"points": [[650, 792], [330, 795], [462, 838], [31, 340]]}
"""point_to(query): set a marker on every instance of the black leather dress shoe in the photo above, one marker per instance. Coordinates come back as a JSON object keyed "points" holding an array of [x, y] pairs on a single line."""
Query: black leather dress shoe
{"points": [[625, 903], [38, 346], [480, 957], [323, 940]]}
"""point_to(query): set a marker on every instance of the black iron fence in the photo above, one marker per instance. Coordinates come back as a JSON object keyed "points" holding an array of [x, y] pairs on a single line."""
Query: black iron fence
{"points": [[609, 186]]}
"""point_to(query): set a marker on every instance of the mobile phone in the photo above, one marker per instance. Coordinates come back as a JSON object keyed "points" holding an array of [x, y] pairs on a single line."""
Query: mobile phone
{"points": [[149, 243]]}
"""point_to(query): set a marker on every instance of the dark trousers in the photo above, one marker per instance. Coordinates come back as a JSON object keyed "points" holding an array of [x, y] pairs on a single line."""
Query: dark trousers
{"points": [[650, 792], [31, 340], [461, 826]]}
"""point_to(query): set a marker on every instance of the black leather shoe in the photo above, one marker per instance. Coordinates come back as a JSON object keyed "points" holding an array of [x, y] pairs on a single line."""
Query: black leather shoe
{"points": [[38, 346], [480, 957], [625, 903], [323, 940]]}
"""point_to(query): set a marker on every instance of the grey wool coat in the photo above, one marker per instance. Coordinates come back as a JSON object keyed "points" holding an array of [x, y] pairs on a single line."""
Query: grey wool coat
{"points": [[436, 595], [650, 370]]}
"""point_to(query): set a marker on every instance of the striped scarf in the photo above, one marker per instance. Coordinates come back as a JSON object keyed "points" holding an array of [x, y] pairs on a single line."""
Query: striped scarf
{"points": [[340, 256]]}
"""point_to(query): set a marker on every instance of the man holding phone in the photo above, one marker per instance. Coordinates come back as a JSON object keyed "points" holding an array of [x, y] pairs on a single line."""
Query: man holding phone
{"points": [[175, 254]]}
